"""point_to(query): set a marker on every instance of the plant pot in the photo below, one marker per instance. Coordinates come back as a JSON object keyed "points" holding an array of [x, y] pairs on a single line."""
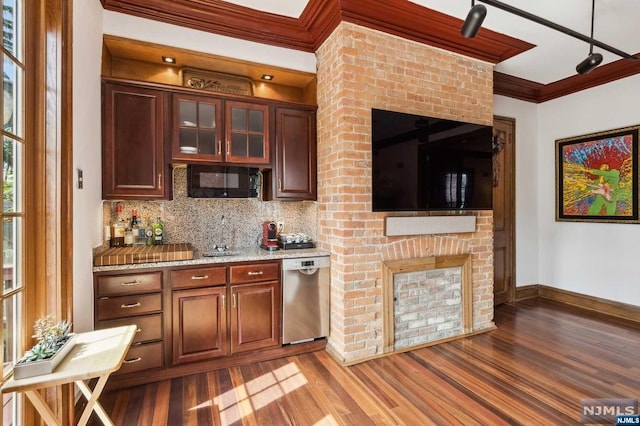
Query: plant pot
{"points": [[45, 366]]}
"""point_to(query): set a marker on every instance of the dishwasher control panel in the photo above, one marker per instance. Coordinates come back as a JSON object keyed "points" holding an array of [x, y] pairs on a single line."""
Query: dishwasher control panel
{"points": [[306, 263]]}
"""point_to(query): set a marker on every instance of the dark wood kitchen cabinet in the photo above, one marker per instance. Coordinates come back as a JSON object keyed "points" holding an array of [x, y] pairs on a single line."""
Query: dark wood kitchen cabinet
{"points": [[133, 298], [255, 310], [213, 318], [295, 169], [134, 143], [199, 324], [255, 316], [199, 314], [208, 129]]}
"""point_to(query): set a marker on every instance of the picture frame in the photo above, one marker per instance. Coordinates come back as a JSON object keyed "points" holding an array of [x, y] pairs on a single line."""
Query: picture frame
{"points": [[597, 177]]}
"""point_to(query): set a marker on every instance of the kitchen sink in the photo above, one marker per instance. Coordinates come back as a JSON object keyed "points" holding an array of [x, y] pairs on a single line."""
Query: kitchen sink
{"points": [[220, 253]]}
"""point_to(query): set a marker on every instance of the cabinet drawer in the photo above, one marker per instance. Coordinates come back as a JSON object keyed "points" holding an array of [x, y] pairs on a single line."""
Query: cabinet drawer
{"points": [[142, 357], [253, 273], [126, 306], [118, 285], [149, 326], [199, 277]]}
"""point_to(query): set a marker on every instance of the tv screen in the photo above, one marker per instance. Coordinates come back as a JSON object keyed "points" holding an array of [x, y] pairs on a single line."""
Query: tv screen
{"points": [[425, 163]]}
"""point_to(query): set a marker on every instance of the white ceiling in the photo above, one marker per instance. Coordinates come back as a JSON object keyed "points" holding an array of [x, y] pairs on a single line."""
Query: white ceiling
{"points": [[556, 54]]}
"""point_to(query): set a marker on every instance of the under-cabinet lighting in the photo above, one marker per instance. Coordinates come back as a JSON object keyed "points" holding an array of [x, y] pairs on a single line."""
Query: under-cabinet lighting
{"points": [[267, 77], [168, 60]]}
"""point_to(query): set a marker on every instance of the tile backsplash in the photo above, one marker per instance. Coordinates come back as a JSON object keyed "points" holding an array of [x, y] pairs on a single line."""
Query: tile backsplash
{"points": [[207, 222]]}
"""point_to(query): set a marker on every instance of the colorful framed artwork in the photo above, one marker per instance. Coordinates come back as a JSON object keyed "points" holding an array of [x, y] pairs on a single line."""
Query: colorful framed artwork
{"points": [[597, 177]]}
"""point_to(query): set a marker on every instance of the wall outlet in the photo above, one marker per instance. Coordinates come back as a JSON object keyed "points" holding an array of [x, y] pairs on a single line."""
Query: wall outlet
{"points": [[280, 227]]}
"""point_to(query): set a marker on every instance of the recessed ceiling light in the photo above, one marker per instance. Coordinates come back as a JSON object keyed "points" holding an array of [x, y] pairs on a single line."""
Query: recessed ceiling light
{"points": [[267, 77], [168, 59]]}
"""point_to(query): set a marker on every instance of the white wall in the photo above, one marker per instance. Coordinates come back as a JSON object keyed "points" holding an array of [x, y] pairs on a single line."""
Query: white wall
{"points": [[87, 206], [526, 150], [598, 259], [121, 25]]}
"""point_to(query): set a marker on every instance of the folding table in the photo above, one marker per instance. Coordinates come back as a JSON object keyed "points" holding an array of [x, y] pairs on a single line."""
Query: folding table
{"points": [[95, 354]]}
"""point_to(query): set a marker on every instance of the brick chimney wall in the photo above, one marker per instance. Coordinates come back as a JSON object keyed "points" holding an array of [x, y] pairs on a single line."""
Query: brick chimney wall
{"points": [[360, 69]]}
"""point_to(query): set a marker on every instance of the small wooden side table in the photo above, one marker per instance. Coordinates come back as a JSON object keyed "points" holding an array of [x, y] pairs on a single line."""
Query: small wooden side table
{"points": [[95, 354]]}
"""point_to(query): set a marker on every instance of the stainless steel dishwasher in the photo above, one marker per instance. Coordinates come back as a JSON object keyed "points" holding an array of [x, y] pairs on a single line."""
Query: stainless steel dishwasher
{"points": [[306, 283]]}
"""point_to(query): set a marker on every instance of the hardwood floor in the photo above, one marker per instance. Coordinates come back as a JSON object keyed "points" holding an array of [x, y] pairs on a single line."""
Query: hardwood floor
{"points": [[534, 369]]}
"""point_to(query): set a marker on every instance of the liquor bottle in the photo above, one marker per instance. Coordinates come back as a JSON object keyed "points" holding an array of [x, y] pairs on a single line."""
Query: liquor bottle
{"points": [[148, 232], [118, 228], [158, 232], [136, 229]]}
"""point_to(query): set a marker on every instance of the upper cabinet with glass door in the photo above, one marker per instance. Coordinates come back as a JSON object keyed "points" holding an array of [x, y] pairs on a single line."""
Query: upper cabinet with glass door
{"points": [[197, 135], [200, 134], [247, 133]]}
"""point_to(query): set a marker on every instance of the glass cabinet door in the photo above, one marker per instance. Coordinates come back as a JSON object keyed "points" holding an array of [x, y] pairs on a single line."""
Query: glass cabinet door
{"points": [[247, 128], [196, 128]]}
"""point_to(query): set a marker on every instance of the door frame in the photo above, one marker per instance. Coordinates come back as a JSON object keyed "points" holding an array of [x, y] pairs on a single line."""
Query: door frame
{"points": [[510, 205]]}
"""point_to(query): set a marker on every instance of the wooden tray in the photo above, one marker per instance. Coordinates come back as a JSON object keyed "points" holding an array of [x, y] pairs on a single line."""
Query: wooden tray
{"points": [[143, 254]]}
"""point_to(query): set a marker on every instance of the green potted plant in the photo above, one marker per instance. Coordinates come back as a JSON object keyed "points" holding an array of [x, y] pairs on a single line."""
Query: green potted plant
{"points": [[55, 340]]}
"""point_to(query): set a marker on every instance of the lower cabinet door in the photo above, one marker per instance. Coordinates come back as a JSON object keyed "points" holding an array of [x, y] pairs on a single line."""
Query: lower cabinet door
{"points": [[199, 324], [255, 319]]}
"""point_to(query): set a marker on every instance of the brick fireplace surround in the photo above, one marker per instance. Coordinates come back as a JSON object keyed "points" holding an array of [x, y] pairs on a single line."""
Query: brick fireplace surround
{"points": [[360, 69]]}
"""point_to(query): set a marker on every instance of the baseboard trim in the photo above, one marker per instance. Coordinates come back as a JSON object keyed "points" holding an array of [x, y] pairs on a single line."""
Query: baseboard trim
{"points": [[597, 304]]}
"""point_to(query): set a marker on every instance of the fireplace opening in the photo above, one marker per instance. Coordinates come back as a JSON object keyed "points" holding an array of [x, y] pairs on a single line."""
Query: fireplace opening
{"points": [[426, 300]]}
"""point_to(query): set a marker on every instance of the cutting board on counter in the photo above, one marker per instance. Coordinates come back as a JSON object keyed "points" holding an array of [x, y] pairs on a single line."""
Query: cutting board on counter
{"points": [[143, 254]]}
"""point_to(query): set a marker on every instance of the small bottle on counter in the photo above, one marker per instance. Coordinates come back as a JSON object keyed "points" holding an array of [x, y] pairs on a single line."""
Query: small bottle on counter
{"points": [[128, 237], [148, 232], [118, 228], [158, 232]]}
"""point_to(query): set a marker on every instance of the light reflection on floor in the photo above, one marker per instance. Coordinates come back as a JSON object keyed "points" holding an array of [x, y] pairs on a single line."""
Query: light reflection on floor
{"points": [[258, 393]]}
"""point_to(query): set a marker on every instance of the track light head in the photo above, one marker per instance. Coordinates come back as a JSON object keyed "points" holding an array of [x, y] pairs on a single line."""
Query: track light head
{"points": [[474, 20], [588, 65]]}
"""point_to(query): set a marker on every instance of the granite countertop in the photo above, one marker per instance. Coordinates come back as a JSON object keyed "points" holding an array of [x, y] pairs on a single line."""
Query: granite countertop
{"points": [[242, 254]]}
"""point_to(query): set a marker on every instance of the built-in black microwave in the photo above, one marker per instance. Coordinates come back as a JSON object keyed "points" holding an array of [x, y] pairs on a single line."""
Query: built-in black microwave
{"points": [[213, 181]]}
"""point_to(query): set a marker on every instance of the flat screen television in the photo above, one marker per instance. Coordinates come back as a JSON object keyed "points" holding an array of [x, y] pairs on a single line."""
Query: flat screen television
{"points": [[426, 164]]}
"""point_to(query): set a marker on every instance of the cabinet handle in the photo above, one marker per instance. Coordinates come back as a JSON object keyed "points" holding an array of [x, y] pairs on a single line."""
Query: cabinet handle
{"points": [[223, 299], [159, 180], [132, 360], [255, 273], [131, 305], [138, 330], [228, 147], [130, 283], [199, 277], [280, 184], [219, 147], [234, 300]]}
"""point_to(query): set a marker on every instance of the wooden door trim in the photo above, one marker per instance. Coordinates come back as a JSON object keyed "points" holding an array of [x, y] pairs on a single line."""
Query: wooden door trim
{"points": [[511, 207]]}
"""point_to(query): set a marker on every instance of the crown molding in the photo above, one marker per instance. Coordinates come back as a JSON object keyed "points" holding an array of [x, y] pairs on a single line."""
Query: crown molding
{"points": [[398, 17], [530, 91]]}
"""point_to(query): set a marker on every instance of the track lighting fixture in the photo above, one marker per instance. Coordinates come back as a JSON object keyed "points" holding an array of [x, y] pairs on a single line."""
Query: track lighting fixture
{"points": [[478, 12], [474, 20], [594, 59]]}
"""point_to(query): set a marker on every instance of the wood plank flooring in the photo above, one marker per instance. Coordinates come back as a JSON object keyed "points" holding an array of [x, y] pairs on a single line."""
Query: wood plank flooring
{"points": [[534, 369]]}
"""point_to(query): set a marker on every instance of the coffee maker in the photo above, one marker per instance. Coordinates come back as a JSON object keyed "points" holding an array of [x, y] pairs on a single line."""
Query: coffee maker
{"points": [[269, 235]]}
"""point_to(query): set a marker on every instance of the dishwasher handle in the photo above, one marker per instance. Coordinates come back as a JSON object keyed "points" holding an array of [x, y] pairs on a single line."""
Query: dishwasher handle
{"points": [[308, 271]]}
